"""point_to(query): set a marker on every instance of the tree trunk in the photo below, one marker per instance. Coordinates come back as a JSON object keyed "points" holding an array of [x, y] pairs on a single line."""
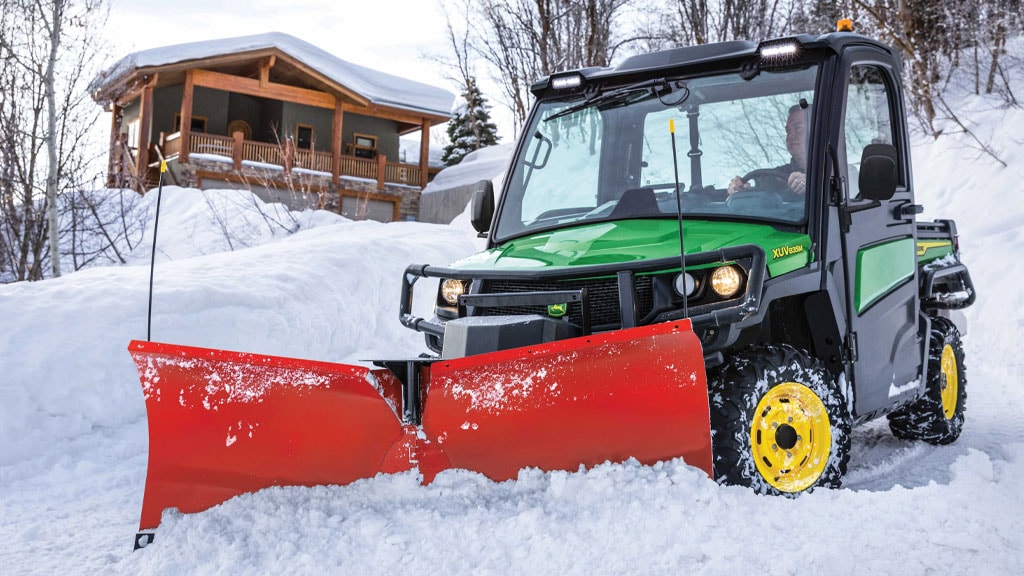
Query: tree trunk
{"points": [[51, 138]]}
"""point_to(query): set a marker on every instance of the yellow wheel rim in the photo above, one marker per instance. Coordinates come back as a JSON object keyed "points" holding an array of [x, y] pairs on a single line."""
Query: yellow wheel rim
{"points": [[950, 382], [791, 437]]}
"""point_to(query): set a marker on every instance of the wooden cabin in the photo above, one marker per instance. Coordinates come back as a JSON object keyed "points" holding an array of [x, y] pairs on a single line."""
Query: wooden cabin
{"points": [[273, 114]]}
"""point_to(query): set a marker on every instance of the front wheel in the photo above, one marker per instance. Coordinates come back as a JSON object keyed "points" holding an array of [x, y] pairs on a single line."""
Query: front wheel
{"points": [[780, 424], [937, 417]]}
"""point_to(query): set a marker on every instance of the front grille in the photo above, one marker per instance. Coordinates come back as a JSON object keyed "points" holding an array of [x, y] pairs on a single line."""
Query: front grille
{"points": [[602, 296]]}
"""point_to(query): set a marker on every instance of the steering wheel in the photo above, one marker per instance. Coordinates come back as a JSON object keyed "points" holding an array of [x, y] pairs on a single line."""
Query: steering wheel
{"points": [[768, 179]]}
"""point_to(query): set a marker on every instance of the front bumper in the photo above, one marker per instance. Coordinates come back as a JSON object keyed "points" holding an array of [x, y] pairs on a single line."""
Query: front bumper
{"points": [[716, 323]]}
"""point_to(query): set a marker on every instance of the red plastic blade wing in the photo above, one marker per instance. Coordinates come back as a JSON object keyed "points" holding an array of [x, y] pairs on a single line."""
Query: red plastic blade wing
{"points": [[224, 423], [639, 392]]}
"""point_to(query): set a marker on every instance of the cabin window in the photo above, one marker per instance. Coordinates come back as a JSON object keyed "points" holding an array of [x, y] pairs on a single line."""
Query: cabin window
{"points": [[304, 137], [363, 146], [198, 124]]}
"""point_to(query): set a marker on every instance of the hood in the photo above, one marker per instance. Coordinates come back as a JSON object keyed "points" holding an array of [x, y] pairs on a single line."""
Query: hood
{"points": [[627, 241]]}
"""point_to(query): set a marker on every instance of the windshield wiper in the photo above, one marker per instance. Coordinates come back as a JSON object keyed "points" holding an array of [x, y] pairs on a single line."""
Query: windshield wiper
{"points": [[627, 95]]}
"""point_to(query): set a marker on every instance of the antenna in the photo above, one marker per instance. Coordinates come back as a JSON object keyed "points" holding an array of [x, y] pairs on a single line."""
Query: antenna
{"points": [[679, 216], [152, 258]]}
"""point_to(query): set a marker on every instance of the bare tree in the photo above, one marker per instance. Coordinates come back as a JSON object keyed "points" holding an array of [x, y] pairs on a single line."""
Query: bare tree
{"points": [[522, 41], [48, 50], [934, 37], [686, 22]]}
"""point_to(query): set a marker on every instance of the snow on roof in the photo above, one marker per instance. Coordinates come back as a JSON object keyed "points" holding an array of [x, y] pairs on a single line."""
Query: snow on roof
{"points": [[378, 87]]}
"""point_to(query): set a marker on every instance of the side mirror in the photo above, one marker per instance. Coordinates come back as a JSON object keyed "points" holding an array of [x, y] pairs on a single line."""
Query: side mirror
{"points": [[482, 206], [878, 173]]}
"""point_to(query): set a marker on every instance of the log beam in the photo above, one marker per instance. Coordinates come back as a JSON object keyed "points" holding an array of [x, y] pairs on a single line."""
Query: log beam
{"points": [[272, 90], [388, 113], [424, 152], [145, 127], [265, 65], [336, 143], [115, 144], [186, 116]]}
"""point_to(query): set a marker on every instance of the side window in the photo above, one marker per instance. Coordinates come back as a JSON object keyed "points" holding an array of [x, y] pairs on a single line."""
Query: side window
{"points": [[868, 118]]}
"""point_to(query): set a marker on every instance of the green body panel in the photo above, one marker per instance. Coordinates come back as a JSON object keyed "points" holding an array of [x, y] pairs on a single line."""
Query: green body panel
{"points": [[630, 241], [929, 250], [881, 268]]}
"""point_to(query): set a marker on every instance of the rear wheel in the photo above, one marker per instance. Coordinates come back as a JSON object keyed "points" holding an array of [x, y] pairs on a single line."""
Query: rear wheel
{"points": [[938, 416], [779, 423]]}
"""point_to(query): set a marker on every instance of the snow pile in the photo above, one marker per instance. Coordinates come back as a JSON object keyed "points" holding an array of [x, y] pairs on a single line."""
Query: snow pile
{"points": [[487, 163]]}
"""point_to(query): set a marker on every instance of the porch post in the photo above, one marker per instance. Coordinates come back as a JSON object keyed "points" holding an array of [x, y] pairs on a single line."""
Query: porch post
{"points": [[424, 152], [145, 119], [114, 153], [336, 143], [236, 149], [186, 116], [382, 166]]}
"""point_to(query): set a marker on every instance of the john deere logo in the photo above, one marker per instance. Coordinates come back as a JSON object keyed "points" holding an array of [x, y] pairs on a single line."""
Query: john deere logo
{"points": [[557, 310]]}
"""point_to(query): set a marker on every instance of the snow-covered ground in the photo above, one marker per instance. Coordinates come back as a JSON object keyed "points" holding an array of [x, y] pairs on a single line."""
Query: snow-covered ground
{"points": [[73, 437]]}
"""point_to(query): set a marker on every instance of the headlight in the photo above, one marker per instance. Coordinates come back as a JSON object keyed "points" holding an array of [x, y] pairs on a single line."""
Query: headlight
{"points": [[451, 289], [726, 281], [685, 284]]}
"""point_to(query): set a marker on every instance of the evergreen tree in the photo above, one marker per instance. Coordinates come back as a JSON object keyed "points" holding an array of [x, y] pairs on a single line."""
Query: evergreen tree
{"points": [[472, 128]]}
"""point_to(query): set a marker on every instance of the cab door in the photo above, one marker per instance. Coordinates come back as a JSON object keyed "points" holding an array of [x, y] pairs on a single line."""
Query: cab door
{"points": [[878, 240]]}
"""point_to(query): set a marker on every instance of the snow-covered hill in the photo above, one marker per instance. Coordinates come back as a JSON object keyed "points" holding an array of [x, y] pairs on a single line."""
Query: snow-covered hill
{"points": [[73, 433]]}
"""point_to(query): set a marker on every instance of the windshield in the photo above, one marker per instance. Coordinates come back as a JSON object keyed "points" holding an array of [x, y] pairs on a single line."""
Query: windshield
{"points": [[741, 152]]}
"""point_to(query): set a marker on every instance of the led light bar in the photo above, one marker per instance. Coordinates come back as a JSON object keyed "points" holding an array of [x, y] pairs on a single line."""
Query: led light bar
{"points": [[564, 82], [779, 50]]}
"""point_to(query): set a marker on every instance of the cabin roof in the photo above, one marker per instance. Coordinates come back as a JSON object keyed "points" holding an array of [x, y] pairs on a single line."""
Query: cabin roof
{"points": [[373, 86]]}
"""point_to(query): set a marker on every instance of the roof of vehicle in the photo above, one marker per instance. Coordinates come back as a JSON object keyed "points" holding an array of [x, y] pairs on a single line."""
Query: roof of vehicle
{"points": [[689, 56]]}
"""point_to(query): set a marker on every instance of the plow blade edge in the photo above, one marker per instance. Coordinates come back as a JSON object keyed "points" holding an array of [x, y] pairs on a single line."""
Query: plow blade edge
{"points": [[225, 423]]}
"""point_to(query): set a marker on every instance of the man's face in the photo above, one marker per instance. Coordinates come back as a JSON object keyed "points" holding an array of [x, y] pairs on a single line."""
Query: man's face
{"points": [[796, 141]]}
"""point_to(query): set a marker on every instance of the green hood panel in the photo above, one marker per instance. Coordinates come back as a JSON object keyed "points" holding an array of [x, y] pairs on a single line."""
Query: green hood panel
{"points": [[627, 241]]}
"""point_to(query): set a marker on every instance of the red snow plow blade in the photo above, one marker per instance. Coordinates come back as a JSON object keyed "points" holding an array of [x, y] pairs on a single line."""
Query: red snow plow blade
{"points": [[225, 423]]}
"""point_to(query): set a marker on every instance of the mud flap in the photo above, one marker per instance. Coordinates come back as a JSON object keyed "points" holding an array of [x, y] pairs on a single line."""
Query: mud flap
{"points": [[639, 392], [225, 423]]}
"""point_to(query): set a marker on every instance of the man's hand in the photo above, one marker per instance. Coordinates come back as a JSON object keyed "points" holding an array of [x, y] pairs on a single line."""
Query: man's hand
{"points": [[737, 184], [797, 182]]}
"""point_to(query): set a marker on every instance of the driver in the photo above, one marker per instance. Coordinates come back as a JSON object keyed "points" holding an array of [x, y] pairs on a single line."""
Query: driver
{"points": [[793, 173]]}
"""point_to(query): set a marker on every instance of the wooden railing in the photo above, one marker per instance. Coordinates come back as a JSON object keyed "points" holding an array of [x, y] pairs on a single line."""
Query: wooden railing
{"points": [[319, 161], [358, 167], [263, 152], [403, 173], [210, 144]]}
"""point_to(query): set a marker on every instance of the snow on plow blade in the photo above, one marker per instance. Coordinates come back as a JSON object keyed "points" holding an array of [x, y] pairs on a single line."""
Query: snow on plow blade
{"points": [[225, 423]]}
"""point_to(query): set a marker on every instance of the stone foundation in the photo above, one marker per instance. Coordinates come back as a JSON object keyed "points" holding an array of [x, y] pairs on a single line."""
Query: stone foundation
{"points": [[304, 189]]}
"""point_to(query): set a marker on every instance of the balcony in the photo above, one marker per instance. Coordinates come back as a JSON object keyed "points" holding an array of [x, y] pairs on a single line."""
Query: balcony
{"points": [[248, 155]]}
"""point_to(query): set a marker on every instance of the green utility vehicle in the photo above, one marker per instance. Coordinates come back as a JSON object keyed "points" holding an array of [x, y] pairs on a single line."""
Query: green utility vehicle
{"points": [[709, 253], [763, 191]]}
